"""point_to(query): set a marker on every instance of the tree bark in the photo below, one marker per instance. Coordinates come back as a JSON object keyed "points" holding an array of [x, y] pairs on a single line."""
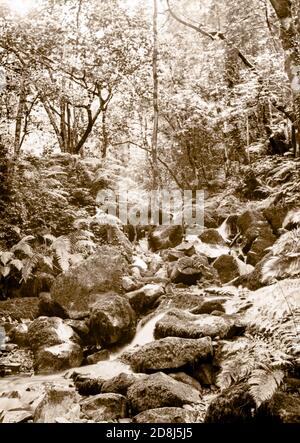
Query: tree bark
{"points": [[287, 12], [155, 98], [19, 117]]}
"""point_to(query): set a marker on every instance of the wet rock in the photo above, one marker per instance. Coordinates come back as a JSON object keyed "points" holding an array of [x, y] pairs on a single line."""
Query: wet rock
{"points": [[72, 289], [233, 405], [104, 407], [112, 319], [58, 358], [50, 308], [177, 323], [18, 416], [98, 356], [143, 298], [49, 331], [188, 270], [119, 384], [159, 390], [164, 237], [57, 402], [165, 415], [227, 267], [170, 353], [20, 308]]}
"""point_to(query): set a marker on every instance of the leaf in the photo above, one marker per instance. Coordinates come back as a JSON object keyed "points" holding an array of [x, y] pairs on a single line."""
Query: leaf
{"points": [[62, 248], [17, 264], [48, 261], [29, 265], [6, 257], [264, 383], [49, 237], [25, 248], [5, 270]]}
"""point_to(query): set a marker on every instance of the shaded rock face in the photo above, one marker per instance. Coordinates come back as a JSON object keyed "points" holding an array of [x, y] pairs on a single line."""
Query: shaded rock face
{"points": [[119, 384], [159, 390], [58, 402], [177, 323], [143, 298], [104, 407], [227, 268], [164, 237], [99, 273], [282, 408], [49, 307], [165, 415], [188, 270], [275, 214], [257, 235], [112, 319], [55, 345], [170, 353], [233, 405], [213, 237]]}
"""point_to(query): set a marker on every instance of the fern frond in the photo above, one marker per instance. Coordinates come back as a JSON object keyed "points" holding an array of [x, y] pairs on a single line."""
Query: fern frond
{"points": [[28, 266], [292, 218], [51, 238], [264, 383], [17, 264], [6, 256], [62, 248], [86, 245]]}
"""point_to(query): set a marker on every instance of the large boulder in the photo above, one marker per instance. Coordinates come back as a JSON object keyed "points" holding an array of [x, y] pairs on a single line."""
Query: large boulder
{"points": [[189, 270], [158, 391], [282, 408], [164, 237], [58, 358], [227, 267], [143, 298], [112, 319], [58, 401], [104, 407], [49, 331], [166, 415], [170, 353], [55, 345], [177, 323], [213, 237], [119, 384], [102, 272]]}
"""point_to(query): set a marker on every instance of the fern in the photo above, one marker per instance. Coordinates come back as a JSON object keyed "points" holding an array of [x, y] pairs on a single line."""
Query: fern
{"points": [[264, 383], [62, 248], [292, 219], [29, 265]]}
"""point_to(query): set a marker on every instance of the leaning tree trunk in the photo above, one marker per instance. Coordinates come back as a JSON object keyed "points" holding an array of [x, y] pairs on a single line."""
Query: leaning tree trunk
{"points": [[288, 13], [19, 117]]}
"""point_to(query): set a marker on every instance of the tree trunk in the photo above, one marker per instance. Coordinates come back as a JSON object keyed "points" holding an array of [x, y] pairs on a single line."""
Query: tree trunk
{"points": [[19, 117], [287, 12], [155, 98]]}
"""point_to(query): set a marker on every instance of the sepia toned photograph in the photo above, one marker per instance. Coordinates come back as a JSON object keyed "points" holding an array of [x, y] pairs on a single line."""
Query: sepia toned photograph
{"points": [[149, 214]]}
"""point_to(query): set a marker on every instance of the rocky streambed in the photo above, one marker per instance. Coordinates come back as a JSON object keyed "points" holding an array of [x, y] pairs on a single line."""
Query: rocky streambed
{"points": [[167, 334]]}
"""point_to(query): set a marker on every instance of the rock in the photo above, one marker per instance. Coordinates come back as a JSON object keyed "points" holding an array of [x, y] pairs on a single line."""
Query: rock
{"points": [[213, 237], [72, 289], [188, 270], [210, 305], [248, 219], [98, 356], [164, 237], [58, 358], [104, 407], [275, 214], [50, 308], [104, 370], [80, 328], [227, 268], [204, 373], [260, 245], [119, 384], [128, 284], [177, 323], [209, 250], [18, 416], [49, 331], [112, 320], [159, 390], [142, 299], [187, 248], [171, 255], [19, 334], [282, 408], [233, 405], [187, 379], [165, 415], [20, 308], [170, 353], [58, 402]]}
